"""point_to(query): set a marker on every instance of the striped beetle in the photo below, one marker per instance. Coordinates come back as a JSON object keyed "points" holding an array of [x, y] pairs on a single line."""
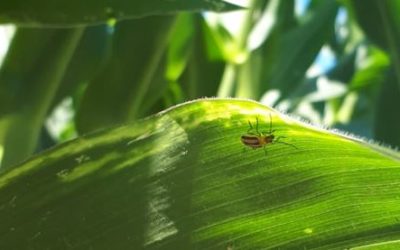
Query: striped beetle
{"points": [[259, 139]]}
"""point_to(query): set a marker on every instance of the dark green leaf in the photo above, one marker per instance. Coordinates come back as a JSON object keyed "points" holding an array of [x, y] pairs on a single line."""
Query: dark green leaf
{"points": [[300, 46], [117, 93], [88, 59], [29, 79], [76, 12], [387, 119], [381, 22], [205, 66]]}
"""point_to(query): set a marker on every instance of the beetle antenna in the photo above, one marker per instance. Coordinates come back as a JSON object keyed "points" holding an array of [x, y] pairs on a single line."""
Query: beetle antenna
{"points": [[270, 123], [250, 127], [257, 125]]}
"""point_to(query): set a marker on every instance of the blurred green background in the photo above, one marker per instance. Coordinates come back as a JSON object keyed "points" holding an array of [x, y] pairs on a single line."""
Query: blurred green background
{"points": [[71, 68]]}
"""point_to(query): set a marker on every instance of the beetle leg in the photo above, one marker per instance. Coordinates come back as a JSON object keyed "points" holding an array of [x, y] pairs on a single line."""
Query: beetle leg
{"points": [[280, 137]]}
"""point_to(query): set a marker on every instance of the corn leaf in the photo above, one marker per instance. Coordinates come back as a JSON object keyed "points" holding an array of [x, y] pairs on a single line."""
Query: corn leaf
{"points": [[182, 179]]}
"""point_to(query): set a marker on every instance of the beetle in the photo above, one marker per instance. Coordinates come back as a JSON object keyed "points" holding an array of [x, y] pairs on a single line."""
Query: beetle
{"points": [[259, 139]]}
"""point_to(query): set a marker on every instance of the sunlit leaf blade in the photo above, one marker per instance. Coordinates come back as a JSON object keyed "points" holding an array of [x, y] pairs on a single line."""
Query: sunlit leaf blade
{"points": [[73, 12], [183, 180], [386, 245]]}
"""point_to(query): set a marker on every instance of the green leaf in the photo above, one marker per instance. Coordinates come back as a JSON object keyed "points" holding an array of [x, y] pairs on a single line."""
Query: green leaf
{"points": [[379, 20], [29, 79], [371, 68], [88, 58], [116, 95], [251, 77], [381, 23], [73, 12], [387, 119], [389, 245], [205, 66], [300, 46], [179, 46], [183, 180]]}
